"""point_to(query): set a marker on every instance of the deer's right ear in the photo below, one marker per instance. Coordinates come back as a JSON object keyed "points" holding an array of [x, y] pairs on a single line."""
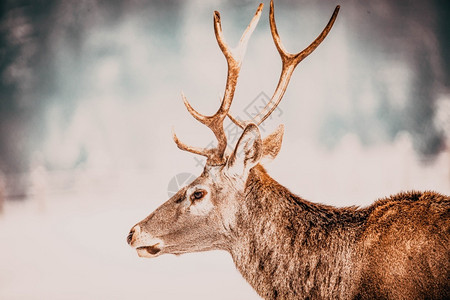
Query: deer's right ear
{"points": [[248, 151]]}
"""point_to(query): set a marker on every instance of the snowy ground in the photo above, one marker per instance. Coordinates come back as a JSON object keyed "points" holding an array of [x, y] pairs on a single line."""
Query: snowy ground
{"points": [[75, 248], [71, 245]]}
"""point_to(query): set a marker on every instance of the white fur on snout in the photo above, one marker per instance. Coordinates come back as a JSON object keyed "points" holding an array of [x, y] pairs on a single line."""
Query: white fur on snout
{"points": [[143, 252], [141, 238]]}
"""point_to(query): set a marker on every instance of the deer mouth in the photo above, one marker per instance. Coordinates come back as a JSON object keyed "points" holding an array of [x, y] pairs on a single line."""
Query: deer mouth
{"points": [[149, 251]]}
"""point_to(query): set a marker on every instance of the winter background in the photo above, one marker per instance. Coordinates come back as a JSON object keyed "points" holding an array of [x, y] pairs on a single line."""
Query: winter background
{"points": [[90, 90]]}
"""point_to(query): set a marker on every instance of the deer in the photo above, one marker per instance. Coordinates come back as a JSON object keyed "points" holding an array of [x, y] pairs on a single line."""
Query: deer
{"points": [[287, 247]]}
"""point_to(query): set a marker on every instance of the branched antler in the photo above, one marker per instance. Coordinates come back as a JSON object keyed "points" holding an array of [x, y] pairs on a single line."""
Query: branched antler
{"points": [[234, 59], [290, 61]]}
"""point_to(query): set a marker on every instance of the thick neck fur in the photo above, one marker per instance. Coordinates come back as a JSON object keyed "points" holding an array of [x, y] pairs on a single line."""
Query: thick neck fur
{"points": [[289, 248]]}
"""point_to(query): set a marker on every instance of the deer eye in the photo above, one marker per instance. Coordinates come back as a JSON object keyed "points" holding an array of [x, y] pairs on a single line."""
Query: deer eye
{"points": [[199, 194]]}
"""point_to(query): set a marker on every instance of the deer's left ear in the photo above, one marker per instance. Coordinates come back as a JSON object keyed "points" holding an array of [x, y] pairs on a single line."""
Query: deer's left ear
{"points": [[248, 151], [272, 143]]}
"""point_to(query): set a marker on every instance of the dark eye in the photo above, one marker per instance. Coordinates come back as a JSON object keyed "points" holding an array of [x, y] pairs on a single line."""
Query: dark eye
{"points": [[197, 195]]}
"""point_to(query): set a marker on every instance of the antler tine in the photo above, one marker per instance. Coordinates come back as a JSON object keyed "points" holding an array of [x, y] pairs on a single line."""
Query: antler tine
{"points": [[183, 146], [234, 59], [290, 61], [198, 116]]}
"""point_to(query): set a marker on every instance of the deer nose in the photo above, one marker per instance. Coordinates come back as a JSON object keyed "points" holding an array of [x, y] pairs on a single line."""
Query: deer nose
{"points": [[134, 231]]}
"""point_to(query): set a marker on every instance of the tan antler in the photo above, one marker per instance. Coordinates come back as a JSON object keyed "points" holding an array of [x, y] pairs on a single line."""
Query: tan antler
{"points": [[290, 61], [234, 59]]}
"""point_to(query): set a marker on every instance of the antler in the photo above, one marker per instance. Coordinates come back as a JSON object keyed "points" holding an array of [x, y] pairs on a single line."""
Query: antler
{"points": [[234, 59], [290, 61]]}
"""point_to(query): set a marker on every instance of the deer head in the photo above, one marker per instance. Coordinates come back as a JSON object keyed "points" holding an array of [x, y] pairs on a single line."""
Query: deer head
{"points": [[201, 216]]}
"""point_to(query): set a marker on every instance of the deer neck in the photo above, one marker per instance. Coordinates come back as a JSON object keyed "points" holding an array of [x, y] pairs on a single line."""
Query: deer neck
{"points": [[283, 244]]}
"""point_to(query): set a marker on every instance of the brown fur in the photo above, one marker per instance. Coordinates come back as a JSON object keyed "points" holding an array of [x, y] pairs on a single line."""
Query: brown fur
{"points": [[289, 248], [283, 245]]}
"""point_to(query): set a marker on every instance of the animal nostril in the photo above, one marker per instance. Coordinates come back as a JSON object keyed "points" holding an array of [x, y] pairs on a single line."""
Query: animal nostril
{"points": [[136, 230], [130, 236]]}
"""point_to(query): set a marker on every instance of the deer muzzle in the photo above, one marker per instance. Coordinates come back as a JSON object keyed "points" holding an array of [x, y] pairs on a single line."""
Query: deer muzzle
{"points": [[145, 244]]}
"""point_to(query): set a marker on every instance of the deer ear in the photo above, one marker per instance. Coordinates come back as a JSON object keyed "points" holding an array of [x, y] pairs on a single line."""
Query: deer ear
{"points": [[248, 151], [272, 143]]}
